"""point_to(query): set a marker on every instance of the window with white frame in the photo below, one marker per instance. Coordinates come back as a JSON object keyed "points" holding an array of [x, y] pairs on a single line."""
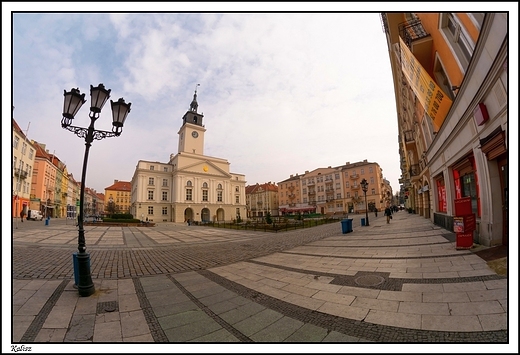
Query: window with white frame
{"points": [[204, 195], [150, 195], [458, 38], [31, 153], [152, 167], [150, 210], [219, 196], [165, 211], [150, 181], [16, 140], [164, 182], [165, 195], [189, 194], [237, 199]]}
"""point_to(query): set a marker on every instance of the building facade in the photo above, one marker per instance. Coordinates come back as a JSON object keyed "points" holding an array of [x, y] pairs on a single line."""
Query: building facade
{"points": [[262, 199], [335, 190], [118, 197], [24, 154], [450, 74], [190, 186]]}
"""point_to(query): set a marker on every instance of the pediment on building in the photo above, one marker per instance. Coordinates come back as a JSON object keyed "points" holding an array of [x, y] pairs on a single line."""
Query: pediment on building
{"points": [[204, 167]]}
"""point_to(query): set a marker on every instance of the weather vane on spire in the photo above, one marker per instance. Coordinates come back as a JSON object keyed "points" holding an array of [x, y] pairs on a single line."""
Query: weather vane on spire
{"points": [[194, 104]]}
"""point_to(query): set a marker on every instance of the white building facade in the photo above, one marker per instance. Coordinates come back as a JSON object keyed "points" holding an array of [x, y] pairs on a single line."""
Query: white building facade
{"points": [[190, 186]]}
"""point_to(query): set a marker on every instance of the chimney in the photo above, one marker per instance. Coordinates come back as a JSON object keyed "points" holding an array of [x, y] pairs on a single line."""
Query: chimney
{"points": [[115, 181]]}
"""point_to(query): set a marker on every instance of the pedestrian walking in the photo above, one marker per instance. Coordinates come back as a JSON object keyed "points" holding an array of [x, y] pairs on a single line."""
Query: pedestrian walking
{"points": [[388, 214], [21, 215], [375, 211]]}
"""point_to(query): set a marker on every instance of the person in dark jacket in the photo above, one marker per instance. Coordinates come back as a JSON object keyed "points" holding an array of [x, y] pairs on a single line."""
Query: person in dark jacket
{"points": [[388, 214]]}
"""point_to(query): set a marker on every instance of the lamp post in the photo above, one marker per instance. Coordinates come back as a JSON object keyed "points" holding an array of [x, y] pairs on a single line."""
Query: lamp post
{"points": [[72, 103], [364, 186]]}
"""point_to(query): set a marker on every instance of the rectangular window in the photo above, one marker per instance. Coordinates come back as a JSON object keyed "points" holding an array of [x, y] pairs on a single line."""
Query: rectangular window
{"points": [[237, 199], [219, 196], [165, 196], [204, 195], [150, 181], [373, 191], [458, 39], [150, 195], [31, 153], [165, 169], [150, 210], [152, 167], [24, 148], [362, 171], [165, 211], [188, 194], [16, 140], [372, 180], [164, 182], [370, 169]]}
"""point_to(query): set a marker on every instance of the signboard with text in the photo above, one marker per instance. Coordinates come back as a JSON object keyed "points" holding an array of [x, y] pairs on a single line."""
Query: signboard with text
{"points": [[434, 101]]}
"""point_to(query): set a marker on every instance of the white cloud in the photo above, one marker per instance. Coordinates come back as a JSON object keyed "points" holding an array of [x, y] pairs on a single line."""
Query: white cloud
{"points": [[281, 92]]}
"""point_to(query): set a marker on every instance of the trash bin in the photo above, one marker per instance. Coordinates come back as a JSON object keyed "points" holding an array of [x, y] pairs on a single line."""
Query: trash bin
{"points": [[47, 221], [362, 221], [346, 225]]}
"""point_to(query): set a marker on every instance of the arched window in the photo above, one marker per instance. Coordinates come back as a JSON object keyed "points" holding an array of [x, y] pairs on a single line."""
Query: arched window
{"points": [[188, 183], [205, 185], [219, 186]]}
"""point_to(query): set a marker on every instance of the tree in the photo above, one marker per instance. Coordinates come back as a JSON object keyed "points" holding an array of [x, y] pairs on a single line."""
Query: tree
{"points": [[111, 208], [268, 218]]}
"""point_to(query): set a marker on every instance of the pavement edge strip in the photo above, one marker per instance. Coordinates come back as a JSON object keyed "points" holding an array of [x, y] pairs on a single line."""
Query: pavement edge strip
{"points": [[360, 329], [155, 328], [209, 312], [37, 323], [390, 284]]}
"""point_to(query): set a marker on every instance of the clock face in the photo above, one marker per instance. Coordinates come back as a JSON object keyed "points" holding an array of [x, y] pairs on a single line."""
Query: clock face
{"points": [[195, 134]]}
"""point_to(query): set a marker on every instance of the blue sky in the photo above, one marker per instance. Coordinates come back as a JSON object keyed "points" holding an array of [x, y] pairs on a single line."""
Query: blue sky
{"points": [[281, 93]]}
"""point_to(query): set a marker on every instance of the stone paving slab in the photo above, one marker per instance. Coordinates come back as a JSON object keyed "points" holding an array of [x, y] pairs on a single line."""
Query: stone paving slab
{"points": [[330, 289]]}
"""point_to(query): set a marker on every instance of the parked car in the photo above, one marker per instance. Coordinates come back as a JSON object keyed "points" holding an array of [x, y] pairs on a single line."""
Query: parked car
{"points": [[34, 215]]}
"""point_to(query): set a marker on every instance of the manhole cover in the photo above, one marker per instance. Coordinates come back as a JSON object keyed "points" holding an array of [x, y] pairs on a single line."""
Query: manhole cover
{"points": [[103, 307], [369, 280]]}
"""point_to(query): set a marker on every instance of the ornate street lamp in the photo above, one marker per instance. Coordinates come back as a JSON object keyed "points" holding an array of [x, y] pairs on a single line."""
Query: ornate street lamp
{"points": [[72, 103], [364, 186]]}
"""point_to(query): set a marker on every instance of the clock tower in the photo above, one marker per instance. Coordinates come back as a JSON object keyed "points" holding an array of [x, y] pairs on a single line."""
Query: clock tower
{"points": [[191, 133]]}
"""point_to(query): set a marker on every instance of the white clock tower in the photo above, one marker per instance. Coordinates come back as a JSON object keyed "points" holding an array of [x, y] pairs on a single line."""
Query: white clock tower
{"points": [[191, 133]]}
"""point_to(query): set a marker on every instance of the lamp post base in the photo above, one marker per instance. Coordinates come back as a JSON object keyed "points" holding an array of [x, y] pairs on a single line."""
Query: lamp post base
{"points": [[85, 284]]}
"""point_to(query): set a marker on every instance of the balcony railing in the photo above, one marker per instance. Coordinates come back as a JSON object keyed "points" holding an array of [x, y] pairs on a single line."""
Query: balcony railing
{"points": [[409, 136], [415, 170], [411, 31], [354, 176], [22, 174]]}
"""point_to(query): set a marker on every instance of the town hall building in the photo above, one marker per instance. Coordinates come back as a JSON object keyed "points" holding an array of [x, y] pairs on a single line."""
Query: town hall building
{"points": [[190, 187]]}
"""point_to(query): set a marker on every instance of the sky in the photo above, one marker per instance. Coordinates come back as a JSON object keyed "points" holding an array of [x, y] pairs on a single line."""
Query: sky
{"points": [[281, 93]]}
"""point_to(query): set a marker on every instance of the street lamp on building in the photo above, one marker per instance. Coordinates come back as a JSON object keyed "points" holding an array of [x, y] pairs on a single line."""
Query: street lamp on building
{"points": [[364, 186], [72, 103]]}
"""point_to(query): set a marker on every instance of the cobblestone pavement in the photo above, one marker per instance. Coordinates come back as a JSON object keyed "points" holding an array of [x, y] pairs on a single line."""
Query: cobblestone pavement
{"points": [[398, 283]]}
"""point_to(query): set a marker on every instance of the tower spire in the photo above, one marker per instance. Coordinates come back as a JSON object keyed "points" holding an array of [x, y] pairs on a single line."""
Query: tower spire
{"points": [[194, 104]]}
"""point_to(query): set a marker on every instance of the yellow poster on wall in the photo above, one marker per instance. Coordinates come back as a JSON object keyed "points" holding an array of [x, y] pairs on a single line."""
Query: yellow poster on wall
{"points": [[435, 102]]}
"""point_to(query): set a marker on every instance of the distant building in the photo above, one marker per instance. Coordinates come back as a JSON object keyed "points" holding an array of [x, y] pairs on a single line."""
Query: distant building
{"points": [[335, 190], [190, 186], [117, 197], [262, 199], [23, 163]]}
